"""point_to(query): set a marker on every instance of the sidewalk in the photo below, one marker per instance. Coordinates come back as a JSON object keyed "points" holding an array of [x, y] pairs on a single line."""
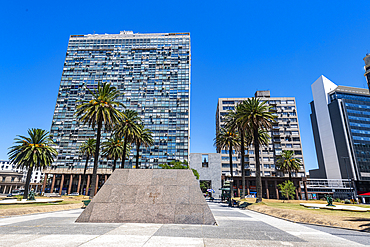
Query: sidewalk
{"points": [[235, 228]]}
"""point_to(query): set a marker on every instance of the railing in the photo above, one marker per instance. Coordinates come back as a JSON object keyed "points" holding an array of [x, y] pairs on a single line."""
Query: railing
{"points": [[329, 183]]}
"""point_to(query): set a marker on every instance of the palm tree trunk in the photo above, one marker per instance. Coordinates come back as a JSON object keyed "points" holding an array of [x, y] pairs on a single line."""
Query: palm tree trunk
{"points": [[258, 168], [114, 165], [124, 151], [27, 185], [243, 172], [96, 160], [231, 172], [137, 154], [85, 177]]}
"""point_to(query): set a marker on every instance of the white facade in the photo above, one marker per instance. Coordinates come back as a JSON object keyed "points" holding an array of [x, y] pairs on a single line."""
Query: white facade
{"points": [[208, 166], [36, 177], [320, 89]]}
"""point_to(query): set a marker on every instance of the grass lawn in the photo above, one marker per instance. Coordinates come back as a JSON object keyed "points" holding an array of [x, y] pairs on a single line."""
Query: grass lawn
{"points": [[294, 205], [291, 210], [18, 209]]}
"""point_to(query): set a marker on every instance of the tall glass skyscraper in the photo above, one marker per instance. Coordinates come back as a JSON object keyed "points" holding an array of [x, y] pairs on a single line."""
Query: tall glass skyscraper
{"points": [[152, 73], [341, 127]]}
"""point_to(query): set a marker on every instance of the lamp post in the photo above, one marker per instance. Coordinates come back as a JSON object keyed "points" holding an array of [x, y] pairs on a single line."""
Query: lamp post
{"points": [[349, 179], [231, 188]]}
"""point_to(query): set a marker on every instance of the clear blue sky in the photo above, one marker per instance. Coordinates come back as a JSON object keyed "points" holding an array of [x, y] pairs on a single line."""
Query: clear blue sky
{"points": [[237, 48]]}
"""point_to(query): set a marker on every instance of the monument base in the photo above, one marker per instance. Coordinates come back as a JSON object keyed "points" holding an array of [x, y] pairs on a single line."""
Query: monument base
{"points": [[164, 196]]}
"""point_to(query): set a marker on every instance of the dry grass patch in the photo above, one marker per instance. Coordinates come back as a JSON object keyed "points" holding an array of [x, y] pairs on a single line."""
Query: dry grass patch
{"points": [[291, 210], [70, 202]]}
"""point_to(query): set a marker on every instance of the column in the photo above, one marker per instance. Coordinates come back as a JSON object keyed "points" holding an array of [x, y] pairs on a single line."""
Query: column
{"points": [[61, 185], [10, 190], [247, 184], [52, 184], [79, 183], [238, 192], [299, 190], [70, 183], [87, 185], [296, 193], [305, 189], [277, 190], [105, 178], [5, 189], [44, 184], [97, 182], [267, 189]]}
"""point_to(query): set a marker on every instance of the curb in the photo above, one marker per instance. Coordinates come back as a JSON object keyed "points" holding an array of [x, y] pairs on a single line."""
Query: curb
{"points": [[312, 224]]}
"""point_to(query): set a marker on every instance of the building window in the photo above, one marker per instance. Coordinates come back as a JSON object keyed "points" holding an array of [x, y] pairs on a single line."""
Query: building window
{"points": [[12, 179], [228, 102], [204, 160]]}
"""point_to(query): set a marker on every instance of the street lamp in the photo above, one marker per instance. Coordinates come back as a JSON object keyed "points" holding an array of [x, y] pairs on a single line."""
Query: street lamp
{"points": [[349, 179]]}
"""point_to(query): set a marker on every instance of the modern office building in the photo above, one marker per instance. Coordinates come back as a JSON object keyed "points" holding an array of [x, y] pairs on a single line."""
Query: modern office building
{"points": [[151, 72], [341, 127], [285, 135]]}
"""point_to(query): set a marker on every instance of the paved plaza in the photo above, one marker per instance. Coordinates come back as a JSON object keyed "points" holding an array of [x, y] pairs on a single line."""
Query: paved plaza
{"points": [[235, 228]]}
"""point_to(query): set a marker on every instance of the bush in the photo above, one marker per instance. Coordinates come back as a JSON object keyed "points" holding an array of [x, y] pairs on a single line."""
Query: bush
{"points": [[347, 201], [337, 199], [287, 189]]}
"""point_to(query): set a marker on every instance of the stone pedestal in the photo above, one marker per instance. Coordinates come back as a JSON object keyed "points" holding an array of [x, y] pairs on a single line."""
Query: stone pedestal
{"points": [[162, 196]]}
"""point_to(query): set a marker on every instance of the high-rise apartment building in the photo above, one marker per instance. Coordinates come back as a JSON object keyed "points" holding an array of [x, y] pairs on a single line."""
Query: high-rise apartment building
{"points": [[285, 135], [341, 127], [151, 72]]}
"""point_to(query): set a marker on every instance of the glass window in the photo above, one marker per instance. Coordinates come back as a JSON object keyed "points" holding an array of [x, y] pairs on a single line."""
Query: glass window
{"points": [[204, 160]]}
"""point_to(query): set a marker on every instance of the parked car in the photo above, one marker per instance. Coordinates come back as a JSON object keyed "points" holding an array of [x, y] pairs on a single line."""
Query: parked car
{"points": [[74, 194]]}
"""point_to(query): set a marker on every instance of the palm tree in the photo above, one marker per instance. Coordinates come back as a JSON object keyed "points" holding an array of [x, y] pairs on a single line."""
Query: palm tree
{"points": [[98, 111], [234, 123], [33, 152], [113, 149], [254, 116], [144, 137], [287, 163], [225, 139], [128, 128], [88, 149]]}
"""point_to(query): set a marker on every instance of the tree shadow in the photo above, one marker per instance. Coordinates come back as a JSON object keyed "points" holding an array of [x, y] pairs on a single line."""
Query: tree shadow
{"points": [[366, 225]]}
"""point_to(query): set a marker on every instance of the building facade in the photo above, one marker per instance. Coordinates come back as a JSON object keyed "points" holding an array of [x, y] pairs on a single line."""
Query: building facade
{"points": [[152, 74], [36, 178], [208, 166], [10, 181], [341, 127], [285, 135]]}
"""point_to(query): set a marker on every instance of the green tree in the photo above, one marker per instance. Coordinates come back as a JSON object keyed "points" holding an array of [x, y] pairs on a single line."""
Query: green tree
{"points": [[288, 189], [288, 163], [227, 140], [98, 111], [179, 165], [143, 137], [128, 128], [254, 116], [204, 185], [113, 149], [32, 152], [87, 149]]}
